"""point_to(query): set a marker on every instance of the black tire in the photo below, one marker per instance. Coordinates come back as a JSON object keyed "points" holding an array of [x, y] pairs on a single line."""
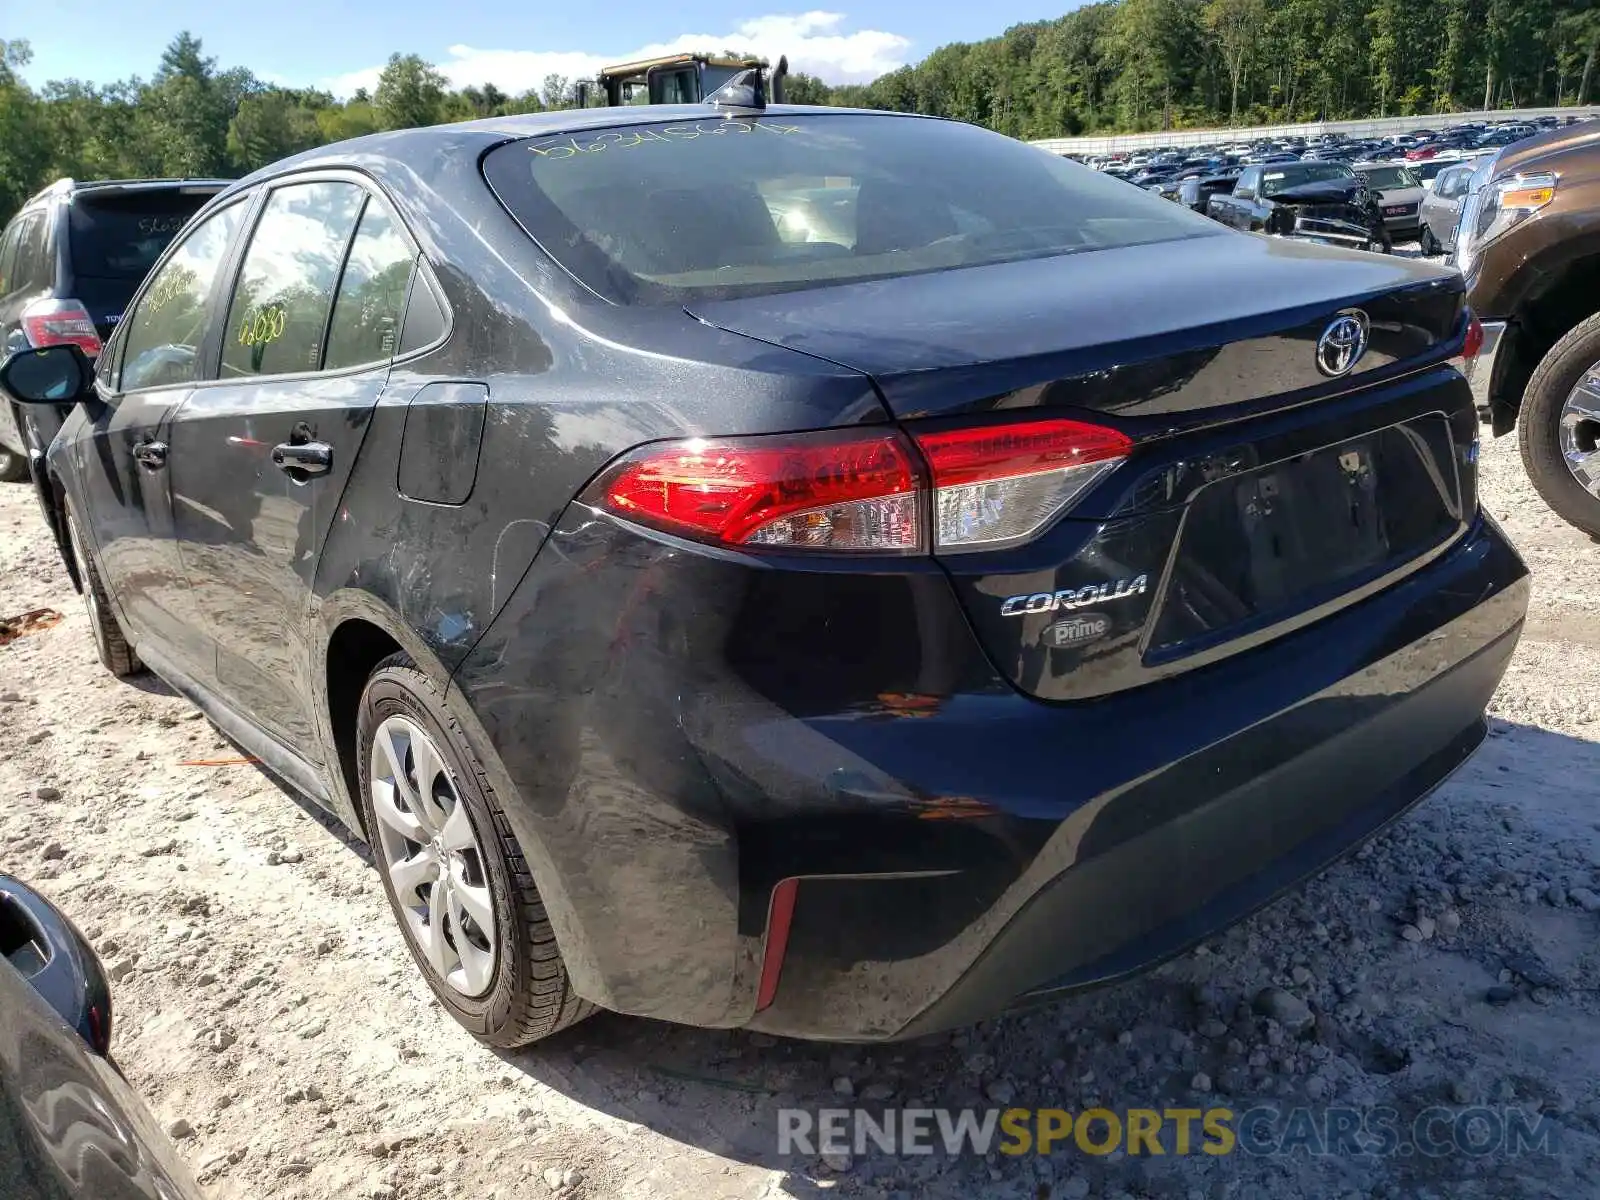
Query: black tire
{"points": [[1430, 244], [116, 654], [530, 995], [1539, 426], [13, 467]]}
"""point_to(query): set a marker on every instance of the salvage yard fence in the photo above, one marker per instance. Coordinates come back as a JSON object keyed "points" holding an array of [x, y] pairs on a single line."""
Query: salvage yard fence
{"points": [[1376, 127]]}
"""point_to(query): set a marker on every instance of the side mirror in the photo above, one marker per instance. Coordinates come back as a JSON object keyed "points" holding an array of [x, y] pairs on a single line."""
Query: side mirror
{"points": [[56, 961], [48, 375]]}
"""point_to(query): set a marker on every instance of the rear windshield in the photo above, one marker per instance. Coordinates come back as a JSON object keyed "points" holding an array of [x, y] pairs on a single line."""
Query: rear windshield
{"points": [[120, 236], [659, 213], [1281, 178], [1380, 178]]}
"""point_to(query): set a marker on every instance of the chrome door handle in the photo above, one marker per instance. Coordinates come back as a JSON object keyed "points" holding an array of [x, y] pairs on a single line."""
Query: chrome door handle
{"points": [[151, 454], [303, 459]]}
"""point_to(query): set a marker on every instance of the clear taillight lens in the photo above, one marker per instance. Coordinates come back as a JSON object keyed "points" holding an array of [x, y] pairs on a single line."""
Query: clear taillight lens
{"points": [[996, 486], [60, 323]]}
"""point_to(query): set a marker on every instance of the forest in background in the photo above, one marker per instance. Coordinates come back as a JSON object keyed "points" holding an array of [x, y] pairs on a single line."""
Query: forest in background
{"points": [[1116, 66]]}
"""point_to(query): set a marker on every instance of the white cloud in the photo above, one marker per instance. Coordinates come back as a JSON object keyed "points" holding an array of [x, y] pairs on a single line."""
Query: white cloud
{"points": [[815, 42]]}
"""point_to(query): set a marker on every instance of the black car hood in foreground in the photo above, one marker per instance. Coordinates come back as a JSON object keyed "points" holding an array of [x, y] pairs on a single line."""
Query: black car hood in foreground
{"points": [[1156, 330]]}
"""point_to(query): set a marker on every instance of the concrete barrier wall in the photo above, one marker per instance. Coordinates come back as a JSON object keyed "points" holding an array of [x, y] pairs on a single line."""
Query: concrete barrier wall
{"points": [[1378, 127]]}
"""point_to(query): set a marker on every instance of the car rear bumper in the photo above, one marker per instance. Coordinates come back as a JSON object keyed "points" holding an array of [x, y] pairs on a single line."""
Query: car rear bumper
{"points": [[1160, 893], [965, 849]]}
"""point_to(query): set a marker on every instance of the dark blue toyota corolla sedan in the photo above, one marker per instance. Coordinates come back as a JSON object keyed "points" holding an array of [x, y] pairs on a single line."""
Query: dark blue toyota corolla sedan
{"points": [[834, 573]]}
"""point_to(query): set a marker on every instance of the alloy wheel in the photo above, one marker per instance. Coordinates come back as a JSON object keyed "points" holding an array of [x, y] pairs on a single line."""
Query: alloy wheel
{"points": [[431, 854], [1579, 431]]}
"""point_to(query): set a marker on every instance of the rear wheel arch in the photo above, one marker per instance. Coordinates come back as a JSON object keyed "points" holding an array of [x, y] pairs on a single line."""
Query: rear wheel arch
{"points": [[355, 647], [362, 633]]}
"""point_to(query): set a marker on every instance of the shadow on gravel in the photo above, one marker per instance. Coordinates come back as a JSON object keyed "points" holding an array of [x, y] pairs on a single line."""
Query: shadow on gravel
{"points": [[1392, 1022], [150, 683]]}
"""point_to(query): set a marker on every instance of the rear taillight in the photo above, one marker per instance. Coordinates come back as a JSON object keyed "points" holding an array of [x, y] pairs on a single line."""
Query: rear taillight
{"points": [[836, 491], [998, 485], [864, 491], [60, 323]]}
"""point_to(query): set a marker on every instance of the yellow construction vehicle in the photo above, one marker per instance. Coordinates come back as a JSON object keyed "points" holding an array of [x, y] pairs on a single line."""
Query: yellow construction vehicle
{"points": [[678, 79]]}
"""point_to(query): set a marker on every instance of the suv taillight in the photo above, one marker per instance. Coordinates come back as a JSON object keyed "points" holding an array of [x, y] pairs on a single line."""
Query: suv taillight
{"points": [[864, 490], [60, 323]]}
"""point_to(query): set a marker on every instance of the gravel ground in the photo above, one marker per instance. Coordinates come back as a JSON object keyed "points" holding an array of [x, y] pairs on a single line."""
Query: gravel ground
{"points": [[269, 1012]]}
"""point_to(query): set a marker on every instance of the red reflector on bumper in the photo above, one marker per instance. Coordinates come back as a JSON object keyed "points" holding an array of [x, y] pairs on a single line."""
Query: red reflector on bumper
{"points": [[780, 912]]}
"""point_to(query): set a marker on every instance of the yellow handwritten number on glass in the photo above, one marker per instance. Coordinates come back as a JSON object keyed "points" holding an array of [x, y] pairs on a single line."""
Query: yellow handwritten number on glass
{"points": [[265, 325]]}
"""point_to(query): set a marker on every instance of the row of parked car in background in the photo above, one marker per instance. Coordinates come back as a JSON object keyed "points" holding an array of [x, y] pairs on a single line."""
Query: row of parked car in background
{"points": [[1402, 188]]}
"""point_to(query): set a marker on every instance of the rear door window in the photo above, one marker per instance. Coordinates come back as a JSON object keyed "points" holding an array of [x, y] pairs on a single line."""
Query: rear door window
{"points": [[661, 212], [366, 315], [278, 315]]}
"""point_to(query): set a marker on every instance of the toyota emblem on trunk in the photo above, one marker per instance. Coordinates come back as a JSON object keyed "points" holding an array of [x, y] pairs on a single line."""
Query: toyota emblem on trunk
{"points": [[1342, 343]]}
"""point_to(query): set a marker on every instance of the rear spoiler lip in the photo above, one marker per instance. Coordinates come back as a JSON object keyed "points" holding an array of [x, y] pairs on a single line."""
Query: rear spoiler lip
{"points": [[208, 187]]}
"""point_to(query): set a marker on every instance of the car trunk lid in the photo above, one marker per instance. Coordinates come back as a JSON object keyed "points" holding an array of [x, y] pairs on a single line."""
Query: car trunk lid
{"points": [[1175, 330], [1262, 491]]}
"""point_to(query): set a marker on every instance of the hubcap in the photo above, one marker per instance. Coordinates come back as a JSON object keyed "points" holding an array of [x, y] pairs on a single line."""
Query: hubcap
{"points": [[432, 856], [1580, 431]]}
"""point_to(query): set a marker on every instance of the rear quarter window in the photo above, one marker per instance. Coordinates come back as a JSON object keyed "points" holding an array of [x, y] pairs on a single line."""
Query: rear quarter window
{"points": [[661, 212]]}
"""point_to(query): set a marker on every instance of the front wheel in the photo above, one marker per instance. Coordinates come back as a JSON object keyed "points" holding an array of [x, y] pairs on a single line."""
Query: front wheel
{"points": [[1430, 244], [116, 653], [455, 876], [1559, 427]]}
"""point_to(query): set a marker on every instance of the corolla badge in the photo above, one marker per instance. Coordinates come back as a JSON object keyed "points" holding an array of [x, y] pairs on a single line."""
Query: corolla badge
{"points": [[1094, 593], [1343, 343]]}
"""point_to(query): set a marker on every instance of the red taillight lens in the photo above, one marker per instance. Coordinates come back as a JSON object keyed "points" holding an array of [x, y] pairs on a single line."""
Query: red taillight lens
{"points": [[1473, 344], [864, 490], [998, 485], [836, 490], [60, 323]]}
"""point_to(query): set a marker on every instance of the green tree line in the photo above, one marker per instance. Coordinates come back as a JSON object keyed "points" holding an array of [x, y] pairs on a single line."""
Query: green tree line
{"points": [[1128, 65], [1119, 65]]}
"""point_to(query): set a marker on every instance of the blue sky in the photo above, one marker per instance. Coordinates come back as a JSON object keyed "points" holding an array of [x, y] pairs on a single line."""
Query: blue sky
{"points": [[512, 43]]}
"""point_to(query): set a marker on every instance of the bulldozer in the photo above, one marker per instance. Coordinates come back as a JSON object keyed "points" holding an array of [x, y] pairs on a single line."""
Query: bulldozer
{"points": [[678, 79]]}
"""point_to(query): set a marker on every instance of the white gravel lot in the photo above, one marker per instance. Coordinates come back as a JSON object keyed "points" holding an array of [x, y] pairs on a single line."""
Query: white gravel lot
{"points": [[265, 998]]}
